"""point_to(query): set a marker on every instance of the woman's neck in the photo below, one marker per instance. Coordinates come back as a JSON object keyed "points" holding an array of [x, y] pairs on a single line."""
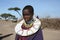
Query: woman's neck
{"points": [[30, 21]]}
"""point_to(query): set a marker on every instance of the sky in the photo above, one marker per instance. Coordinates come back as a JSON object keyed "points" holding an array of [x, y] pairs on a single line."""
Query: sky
{"points": [[42, 8]]}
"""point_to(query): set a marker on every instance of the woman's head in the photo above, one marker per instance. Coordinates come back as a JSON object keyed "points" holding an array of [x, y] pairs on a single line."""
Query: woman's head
{"points": [[28, 12]]}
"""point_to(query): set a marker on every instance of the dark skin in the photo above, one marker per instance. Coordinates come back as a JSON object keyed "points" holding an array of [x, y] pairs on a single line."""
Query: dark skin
{"points": [[27, 15]]}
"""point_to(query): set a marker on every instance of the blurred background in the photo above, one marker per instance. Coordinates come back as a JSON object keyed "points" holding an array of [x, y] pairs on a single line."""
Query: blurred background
{"points": [[48, 11]]}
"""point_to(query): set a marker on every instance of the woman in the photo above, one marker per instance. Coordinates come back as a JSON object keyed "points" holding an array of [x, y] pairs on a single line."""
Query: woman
{"points": [[30, 27]]}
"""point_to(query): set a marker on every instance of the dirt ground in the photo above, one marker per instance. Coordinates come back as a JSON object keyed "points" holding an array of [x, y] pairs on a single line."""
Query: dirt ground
{"points": [[7, 32], [51, 34]]}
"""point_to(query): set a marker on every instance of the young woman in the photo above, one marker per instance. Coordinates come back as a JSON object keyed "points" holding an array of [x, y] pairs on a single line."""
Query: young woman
{"points": [[30, 27]]}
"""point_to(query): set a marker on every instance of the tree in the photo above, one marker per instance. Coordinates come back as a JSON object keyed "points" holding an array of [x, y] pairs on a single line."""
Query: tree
{"points": [[15, 9], [7, 16]]}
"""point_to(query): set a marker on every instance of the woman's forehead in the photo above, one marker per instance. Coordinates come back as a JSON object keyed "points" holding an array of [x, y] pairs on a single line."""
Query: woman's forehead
{"points": [[26, 11]]}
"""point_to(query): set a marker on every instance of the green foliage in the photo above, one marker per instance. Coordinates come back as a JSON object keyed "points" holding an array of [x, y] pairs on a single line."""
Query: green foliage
{"points": [[15, 8], [7, 16]]}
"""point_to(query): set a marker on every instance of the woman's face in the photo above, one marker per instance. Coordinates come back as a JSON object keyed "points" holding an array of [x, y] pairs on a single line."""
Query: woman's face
{"points": [[27, 15]]}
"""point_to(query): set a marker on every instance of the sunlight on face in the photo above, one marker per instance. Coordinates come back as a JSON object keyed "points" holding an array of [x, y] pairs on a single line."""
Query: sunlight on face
{"points": [[27, 15]]}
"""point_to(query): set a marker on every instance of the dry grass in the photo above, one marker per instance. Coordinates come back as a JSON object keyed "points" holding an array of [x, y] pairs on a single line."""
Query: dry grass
{"points": [[53, 23]]}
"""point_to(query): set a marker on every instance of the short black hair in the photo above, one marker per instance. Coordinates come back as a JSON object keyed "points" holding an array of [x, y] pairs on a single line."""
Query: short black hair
{"points": [[30, 8]]}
